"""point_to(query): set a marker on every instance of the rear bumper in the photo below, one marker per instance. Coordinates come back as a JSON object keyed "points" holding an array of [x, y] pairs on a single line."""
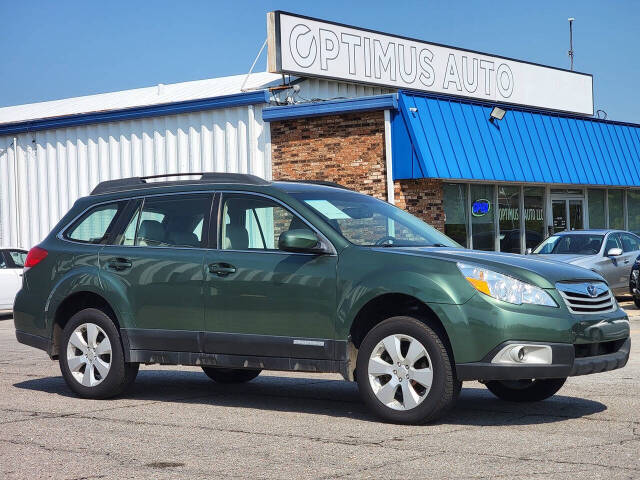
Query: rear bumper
{"points": [[564, 364], [35, 341]]}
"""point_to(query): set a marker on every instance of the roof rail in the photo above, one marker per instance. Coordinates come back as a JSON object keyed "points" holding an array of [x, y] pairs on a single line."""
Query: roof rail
{"points": [[136, 183], [318, 182]]}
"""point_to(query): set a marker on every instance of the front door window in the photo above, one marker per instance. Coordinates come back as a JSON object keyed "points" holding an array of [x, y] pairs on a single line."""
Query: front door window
{"points": [[254, 223]]}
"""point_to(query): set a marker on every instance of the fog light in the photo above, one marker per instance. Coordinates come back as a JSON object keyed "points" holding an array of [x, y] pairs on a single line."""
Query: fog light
{"points": [[517, 354], [524, 354]]}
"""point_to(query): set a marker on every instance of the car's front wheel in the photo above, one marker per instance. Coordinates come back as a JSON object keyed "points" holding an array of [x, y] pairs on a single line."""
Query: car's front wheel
{"points": [[404, 372], [525, 390], [230, 375], [91, 356]]}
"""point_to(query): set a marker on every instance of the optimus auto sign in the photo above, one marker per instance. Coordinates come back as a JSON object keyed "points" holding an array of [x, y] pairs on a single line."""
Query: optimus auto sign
{"points": [[310, 47]]}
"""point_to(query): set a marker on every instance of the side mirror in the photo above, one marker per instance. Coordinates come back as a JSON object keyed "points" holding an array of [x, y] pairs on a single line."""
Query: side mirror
{"points": [[528, 251], [300, 240], [614, 252]]}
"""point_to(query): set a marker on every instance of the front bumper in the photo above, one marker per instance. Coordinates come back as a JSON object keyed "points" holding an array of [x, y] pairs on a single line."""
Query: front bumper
{"points": [[564, 364]]}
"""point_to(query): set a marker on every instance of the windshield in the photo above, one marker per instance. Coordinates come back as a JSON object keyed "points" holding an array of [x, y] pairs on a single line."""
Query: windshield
{"points": [[366, 221], [579, 244]]}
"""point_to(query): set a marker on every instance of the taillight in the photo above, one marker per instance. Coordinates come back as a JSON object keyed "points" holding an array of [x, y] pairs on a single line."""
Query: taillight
{"points": [[34, 257]]}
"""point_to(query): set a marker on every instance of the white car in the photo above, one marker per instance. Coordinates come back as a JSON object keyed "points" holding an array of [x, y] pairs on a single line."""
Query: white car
{"points": [[11, 264]]}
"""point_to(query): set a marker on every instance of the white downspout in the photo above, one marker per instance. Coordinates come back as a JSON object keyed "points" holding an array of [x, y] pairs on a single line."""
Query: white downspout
{"points": [[388, 157], [17, 193]]}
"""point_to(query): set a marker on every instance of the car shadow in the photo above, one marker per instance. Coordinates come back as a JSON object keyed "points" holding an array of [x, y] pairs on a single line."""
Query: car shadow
{"points": [[6, 316], [475, 407]]}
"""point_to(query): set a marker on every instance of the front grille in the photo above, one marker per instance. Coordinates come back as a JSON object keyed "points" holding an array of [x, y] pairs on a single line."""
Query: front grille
{"points": [[587, 297]]}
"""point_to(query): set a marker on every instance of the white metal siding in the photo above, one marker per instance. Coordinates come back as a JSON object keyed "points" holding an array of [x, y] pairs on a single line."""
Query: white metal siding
{"points": [[56, 167], [315, 88]]}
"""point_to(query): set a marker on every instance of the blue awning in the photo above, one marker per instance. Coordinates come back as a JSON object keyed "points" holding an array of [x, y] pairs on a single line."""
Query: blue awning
{"points": [[436, 137]]}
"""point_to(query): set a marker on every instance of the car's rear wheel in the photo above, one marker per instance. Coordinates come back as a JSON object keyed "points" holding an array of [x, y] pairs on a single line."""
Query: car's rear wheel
{"points": [[230, 375], [405, 373], [91, 356], [525, 390]]}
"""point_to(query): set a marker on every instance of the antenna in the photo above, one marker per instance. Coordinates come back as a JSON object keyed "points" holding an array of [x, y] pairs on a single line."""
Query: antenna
{"points": [[571, 19]]}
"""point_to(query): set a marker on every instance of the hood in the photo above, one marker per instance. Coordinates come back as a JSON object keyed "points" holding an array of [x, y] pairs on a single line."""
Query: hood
{"points": [[531, 269]]}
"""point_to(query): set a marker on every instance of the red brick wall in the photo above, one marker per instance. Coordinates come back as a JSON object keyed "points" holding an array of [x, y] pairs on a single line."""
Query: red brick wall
{"points": [[422, 198], [346, 149], [349, 149]]}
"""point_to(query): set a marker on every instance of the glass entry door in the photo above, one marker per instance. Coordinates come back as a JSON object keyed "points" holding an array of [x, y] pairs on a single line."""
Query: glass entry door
{"points": [[568, 214], [576, 214]]}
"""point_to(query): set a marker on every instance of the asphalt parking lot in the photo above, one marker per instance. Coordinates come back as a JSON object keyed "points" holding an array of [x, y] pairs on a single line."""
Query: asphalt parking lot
{"points": [[176, 423]]}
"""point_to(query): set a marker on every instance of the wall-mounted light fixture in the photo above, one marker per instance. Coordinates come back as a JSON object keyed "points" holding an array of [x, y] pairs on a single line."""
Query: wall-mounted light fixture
{"points": [[497, 114]]}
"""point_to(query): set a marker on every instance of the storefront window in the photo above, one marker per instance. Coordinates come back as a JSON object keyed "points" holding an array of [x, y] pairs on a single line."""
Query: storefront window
{"points": [[596, 209], [482, 217], [616, 209], [455, 211], [633, 207], [509, 219], [533, 216]]}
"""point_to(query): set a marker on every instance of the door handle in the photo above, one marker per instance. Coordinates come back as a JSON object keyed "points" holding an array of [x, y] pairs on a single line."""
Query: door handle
{"points": [[221, 269], [119, 264]]}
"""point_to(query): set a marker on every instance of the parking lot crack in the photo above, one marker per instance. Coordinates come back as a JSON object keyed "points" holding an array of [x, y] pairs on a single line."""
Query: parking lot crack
{"points": [[372, 468], [555, 461]]}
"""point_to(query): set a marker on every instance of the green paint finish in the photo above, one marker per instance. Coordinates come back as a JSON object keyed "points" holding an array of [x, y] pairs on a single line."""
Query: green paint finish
{"points": [[308, 295], [162, 289], [272, 293]]}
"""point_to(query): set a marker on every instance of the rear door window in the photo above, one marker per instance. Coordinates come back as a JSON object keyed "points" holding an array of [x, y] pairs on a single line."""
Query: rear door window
{"points": [[96, 225], [169, 221], [630, 243]]}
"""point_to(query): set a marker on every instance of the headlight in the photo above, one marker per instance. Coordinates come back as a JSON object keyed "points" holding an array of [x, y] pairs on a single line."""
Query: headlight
{"points": [[505, 288]]}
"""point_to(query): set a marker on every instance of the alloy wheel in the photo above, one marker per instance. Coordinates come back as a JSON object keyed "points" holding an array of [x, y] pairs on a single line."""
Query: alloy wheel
{"points": [[400, 372], [89, 354]]}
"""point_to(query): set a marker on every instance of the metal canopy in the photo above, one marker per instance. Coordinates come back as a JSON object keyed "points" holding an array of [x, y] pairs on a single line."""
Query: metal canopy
{"points": [[436, 137]]}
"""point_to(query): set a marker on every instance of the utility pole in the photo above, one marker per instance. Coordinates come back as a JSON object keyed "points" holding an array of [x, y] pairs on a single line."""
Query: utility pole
{"points": [[571, 19]]}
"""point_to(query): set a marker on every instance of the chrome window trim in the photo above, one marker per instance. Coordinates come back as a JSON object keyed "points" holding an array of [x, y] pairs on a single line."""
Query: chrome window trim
{"points": [[60, 234]]}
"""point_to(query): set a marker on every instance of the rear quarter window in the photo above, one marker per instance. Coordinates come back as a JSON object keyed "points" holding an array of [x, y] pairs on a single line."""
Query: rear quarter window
{"points": [[95, 225]]}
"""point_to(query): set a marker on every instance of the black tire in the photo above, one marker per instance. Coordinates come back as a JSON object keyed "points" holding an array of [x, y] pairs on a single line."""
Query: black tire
{"points": [[121, 374], [230, 375], [445, 387], [636, 300], [525, 390]]}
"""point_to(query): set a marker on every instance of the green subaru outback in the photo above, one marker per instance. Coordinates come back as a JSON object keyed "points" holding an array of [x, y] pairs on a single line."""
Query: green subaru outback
{"points": [[236, 275]]}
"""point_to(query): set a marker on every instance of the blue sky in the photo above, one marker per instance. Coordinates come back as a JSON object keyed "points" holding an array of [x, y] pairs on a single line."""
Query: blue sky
{"points": [[58, 49]]}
